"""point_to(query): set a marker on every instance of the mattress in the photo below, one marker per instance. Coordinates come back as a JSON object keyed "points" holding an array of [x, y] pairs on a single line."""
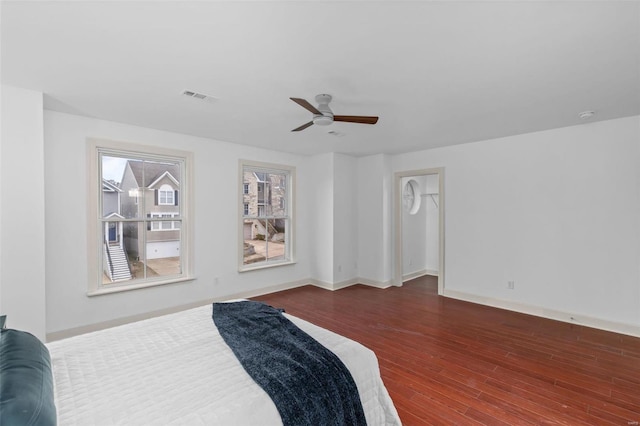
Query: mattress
{"points": [[177, 370]]}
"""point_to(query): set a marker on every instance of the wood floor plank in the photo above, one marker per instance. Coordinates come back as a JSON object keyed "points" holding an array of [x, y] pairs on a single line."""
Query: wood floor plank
{"points": [[446, 361]]}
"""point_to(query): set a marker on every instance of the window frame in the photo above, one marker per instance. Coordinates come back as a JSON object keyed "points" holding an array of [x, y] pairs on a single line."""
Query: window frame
{"points": [[290, 252], [98, 147]]}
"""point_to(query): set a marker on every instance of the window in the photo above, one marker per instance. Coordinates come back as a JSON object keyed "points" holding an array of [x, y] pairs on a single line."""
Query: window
{"points": [[140, 228], [166, 196], [267, 221], [166, 225], [245, 189]]}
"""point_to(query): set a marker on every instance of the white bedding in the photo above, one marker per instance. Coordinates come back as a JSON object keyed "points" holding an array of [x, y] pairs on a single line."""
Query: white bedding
{"points": [[177, 370]]}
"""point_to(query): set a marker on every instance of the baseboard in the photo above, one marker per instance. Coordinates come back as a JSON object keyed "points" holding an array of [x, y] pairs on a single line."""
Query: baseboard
{"points": [[264, 290], [348, 283], [413, 275], [374, 283], [552, 314], [333, 286], [420, 273]]}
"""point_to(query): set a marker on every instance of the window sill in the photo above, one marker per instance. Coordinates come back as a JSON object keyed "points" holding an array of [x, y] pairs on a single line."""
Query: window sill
{"points": [[254, 267], [115, 288]]}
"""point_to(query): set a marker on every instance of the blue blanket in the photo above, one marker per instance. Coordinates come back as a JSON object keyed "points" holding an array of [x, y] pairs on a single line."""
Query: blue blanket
{"points": [[307, 382]]}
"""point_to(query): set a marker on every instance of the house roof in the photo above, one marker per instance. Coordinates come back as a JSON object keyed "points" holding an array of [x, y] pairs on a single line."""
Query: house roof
{"points": [[110, 186], [114, 214], [153, 171]]}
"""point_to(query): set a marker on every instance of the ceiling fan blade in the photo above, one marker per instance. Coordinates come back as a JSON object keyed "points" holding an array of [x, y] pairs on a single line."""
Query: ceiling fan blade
{"points": [[304, 126], [306, 105], [356, 119]]}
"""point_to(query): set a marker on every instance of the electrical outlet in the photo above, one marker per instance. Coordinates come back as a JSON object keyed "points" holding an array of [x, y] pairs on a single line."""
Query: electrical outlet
{"points": [[215, 280], [511, 285]]}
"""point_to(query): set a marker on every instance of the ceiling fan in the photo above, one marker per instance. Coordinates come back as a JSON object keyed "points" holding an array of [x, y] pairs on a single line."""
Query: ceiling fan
{"points": [[323, 115]]}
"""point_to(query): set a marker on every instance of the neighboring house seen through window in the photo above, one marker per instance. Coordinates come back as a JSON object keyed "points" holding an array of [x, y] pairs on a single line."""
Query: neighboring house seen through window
{"points": [[267, 221], [140, 227]]}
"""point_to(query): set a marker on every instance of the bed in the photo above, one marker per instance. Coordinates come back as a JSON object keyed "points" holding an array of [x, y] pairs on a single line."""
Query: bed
{"points": [[177, 370]]}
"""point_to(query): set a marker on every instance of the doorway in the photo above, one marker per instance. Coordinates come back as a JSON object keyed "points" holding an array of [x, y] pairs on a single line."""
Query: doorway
{"points": [[419, 225], [113, 235]]}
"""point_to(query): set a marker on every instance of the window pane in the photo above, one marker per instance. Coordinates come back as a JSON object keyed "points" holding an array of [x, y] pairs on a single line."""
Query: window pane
{"points": [[254, 241], [264, 194], [112, 172], [132, 192], [264, 240], [163, 251], [143, 253], [121, 259], [275, 239], [277, 194], [161, 183]]}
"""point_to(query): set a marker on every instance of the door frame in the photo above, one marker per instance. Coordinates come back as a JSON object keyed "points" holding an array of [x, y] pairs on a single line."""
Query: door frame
{"points": [[439, 171]]}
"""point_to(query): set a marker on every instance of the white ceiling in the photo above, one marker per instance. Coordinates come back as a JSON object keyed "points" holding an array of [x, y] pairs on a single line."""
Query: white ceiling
{"points": [[437, 73]]}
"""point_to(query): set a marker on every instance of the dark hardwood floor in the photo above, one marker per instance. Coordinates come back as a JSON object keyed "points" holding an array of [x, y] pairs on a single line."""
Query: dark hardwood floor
{"points": [[447, 362]]}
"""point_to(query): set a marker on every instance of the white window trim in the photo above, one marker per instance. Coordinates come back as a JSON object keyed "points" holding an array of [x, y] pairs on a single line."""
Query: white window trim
{"points": [[95, 233], [291, 213]]}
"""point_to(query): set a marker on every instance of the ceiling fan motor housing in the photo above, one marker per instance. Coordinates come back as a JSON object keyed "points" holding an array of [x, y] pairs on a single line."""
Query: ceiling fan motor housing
{"points": [[323, 106]]}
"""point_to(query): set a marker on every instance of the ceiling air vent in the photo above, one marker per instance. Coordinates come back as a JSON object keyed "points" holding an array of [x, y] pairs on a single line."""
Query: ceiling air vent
{"points": [[200, 96]]}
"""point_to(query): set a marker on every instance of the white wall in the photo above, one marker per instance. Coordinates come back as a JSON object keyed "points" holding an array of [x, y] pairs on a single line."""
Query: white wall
{"points": [[320, 240], [22, 271], [216, 218], [414, 232], [333, 235], [557, 212], [345, 219], [433, 224], [374, 219]]}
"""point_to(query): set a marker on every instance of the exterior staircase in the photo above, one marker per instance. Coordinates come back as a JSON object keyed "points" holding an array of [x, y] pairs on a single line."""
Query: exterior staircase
{"points": [[118, 263]]}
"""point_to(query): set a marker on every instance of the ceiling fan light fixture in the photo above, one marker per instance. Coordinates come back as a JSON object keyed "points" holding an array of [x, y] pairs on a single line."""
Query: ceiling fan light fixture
{"points": [[322, 120]]}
